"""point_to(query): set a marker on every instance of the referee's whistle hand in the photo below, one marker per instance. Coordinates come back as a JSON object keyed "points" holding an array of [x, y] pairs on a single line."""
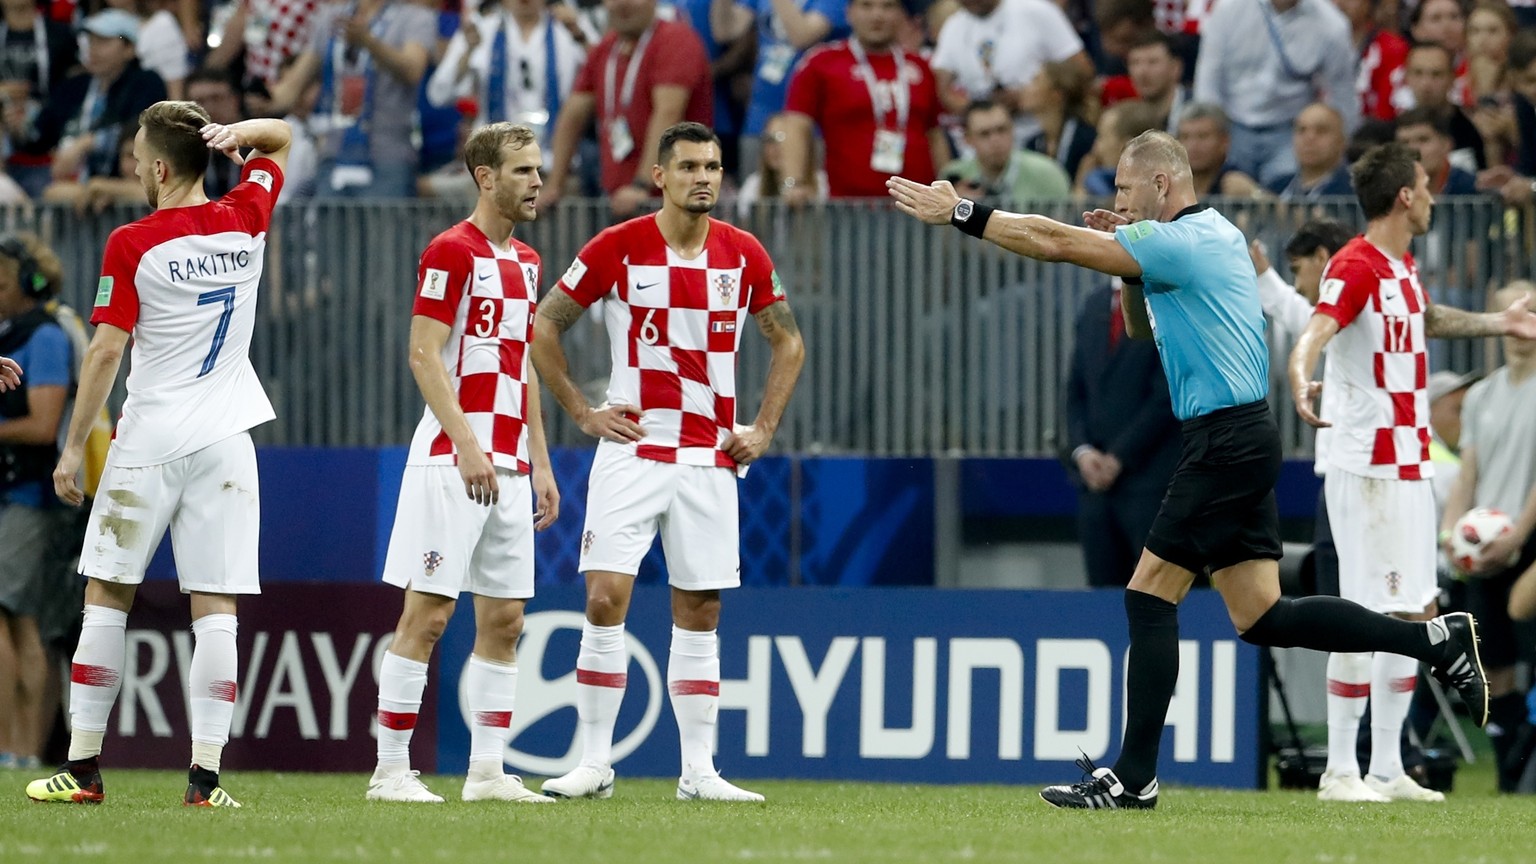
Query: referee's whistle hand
{"points": [[620, 423]]}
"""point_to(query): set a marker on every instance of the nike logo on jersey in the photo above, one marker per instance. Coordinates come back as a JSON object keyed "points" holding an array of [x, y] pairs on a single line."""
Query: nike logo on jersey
{"points": [[639, 287], [483, 278], [1389, 296]]}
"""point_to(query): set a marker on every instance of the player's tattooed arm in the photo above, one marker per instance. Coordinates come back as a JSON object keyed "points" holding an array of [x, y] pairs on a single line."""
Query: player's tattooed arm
{"points": [[1448, 322], [556, 315], [778, 325], [560, 311], [777, 321]]}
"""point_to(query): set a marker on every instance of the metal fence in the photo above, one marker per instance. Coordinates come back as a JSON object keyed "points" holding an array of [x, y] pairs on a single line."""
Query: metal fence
{"points": [[919, 340]]}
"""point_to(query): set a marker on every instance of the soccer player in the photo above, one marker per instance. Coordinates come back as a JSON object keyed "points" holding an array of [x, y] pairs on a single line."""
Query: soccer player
{"points": [[182, 282], [465, 519], [1189, 284], [676, 289], [1381, 500]]}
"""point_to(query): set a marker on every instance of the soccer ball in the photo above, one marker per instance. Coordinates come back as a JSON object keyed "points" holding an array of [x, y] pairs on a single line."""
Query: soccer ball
{"points": [[1472, 532]]}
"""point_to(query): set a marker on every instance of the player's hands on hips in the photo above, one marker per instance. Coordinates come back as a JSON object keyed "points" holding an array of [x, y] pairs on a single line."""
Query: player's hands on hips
{"points": [[65, 477], [1305, 398], [479, 477], [933, 203], [546, 498], [747, 443], [223, 139], [612, 422], [1519, 320], [10, 374], [1104, 220]]}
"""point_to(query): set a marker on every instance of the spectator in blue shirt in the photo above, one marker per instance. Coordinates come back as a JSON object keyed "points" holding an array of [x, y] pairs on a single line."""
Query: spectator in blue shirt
{"points": [[30, 515], [785, 30]]}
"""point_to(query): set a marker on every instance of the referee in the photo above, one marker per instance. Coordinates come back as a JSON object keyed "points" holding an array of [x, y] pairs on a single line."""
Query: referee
{"points": [[1190, 285]]}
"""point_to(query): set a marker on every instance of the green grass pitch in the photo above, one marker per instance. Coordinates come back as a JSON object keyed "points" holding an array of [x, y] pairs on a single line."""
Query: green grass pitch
{"points": [[323, 818]]}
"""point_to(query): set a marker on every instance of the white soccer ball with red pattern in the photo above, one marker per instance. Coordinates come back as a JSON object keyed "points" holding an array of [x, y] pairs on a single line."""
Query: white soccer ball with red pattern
{"points": [[1472, 534]]}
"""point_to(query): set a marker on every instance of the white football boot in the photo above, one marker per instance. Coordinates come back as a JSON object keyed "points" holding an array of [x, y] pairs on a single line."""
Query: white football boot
{"points": [[400, 785], [502, 787], [712, 788], [1347, 787], [1404, 788], [585, 781]]}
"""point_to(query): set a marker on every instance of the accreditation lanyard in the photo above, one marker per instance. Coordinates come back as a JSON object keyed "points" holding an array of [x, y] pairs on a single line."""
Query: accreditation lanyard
{"points": [[611, 71], [40, 40], [900, 93]]}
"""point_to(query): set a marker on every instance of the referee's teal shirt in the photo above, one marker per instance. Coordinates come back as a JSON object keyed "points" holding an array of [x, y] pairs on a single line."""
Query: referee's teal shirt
{"points": [[1203, 300]]}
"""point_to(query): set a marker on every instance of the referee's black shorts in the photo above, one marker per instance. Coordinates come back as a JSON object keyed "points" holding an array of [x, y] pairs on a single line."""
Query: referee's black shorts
{"points": [[1220, 507]]}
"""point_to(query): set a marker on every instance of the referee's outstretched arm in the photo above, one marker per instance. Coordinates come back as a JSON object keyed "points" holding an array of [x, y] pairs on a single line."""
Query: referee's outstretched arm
{"points": [[1033, 237]]}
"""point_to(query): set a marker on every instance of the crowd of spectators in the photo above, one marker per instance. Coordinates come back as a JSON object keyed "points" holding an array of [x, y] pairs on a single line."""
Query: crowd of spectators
{"points": [[815, 99]]}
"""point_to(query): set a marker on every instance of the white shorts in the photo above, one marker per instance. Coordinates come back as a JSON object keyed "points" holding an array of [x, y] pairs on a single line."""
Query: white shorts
{"points": [[1384, 531], [210, 499], [444, 543], [629, 499]]}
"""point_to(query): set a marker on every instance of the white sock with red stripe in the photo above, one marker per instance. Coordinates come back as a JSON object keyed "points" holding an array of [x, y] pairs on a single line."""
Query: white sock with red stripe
{"points": [[693, 680], [1349, 686], [211, 681], [492, 689], [95, 676], [1393, 677], [601, 674], [401, 683]]}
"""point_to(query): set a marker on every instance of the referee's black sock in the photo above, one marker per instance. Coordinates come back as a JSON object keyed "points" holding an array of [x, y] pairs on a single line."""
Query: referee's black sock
{"points": [[1338, 626], [1152, 672]]}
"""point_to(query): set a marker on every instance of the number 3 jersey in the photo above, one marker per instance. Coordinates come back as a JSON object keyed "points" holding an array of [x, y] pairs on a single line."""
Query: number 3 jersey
{"points": [[183, 281], [674, 328], [488, 296], [1374, 384]]}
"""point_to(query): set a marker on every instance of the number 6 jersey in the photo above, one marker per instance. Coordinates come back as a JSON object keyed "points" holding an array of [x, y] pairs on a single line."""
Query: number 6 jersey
{"points": [[674, 328], [183, 281]]}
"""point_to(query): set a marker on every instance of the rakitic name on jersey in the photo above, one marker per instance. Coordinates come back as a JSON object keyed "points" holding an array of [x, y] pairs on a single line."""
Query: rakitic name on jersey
{"points": [[215, 264]]}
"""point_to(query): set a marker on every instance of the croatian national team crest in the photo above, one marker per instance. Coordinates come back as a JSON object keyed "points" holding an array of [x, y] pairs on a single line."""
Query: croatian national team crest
{"points": [[586, 542], [432, 561], [726, 285], [1394, 582], [531, 274]]}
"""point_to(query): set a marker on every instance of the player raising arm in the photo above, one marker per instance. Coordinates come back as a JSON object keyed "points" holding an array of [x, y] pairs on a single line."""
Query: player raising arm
{"points": [[182, 282]]}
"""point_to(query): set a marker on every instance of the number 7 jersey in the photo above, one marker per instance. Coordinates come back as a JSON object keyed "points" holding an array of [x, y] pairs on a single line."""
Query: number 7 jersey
{"points": [[183, 281], [674, 329]]}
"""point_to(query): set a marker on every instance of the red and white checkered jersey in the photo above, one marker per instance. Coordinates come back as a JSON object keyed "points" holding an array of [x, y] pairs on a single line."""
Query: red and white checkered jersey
{"points": [[488, 296], [183, 281], [1373, 386], [274, 31], [674, 326]]}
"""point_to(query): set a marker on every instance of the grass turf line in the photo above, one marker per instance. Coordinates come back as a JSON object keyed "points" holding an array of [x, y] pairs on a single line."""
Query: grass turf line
{"points": [[312, 817]]}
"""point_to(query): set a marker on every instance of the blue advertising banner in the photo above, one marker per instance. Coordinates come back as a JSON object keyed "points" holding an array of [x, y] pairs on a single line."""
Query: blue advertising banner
{"points": [[884, 685]]}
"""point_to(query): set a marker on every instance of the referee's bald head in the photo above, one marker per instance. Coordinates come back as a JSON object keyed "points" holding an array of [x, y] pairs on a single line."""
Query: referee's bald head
{"points": [[1156, 151]]}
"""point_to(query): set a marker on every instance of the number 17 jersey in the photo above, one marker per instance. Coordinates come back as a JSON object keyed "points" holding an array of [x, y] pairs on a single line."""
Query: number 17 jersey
{"points": [[674, 329], [183, 281]]}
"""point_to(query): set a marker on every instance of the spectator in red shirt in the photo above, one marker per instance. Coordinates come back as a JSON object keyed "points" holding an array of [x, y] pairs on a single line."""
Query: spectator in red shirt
{"points": [[645, 75], [1382, 54], [877, 107]]}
